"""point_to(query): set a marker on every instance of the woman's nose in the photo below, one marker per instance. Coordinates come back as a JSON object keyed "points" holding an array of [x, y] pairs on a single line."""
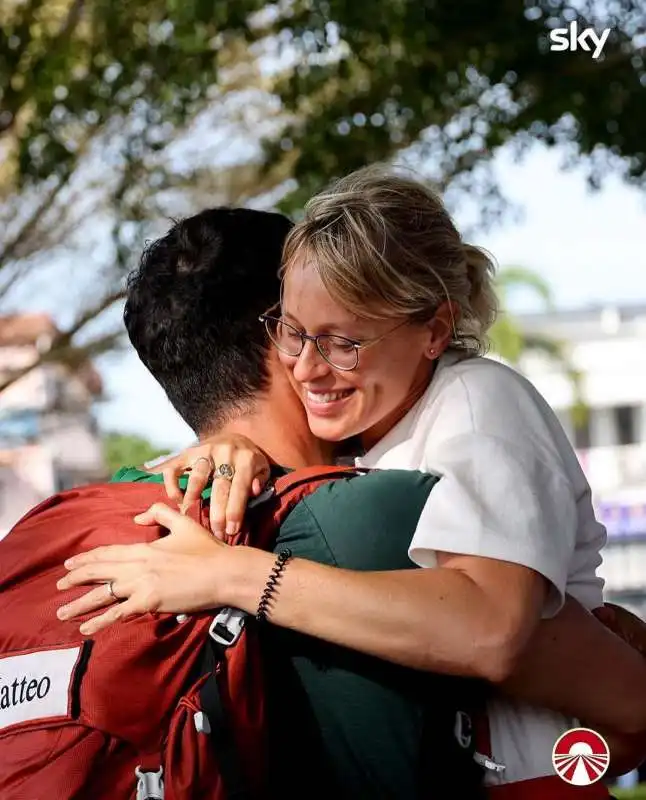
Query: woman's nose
{"points": [[310, 364]]}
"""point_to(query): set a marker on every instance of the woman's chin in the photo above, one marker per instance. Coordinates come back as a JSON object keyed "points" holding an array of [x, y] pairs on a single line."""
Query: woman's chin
{"points": [[329, 429]]}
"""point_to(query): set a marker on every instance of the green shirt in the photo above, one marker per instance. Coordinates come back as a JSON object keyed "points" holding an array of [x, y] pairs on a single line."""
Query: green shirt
{"points": [[364, 716]]}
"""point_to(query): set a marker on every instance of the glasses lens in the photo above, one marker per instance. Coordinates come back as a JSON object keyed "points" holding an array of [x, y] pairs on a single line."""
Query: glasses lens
{"points": [[285, 337], [339, 352]]}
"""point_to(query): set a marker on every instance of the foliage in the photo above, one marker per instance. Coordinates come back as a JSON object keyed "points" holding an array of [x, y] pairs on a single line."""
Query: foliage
{"points": [[116, 115], [94, 97], [457, 81], [638, 793], [127, 450], [511, 343]]}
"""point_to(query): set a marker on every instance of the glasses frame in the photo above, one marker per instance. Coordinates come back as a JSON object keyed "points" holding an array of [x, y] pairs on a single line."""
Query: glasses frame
{"points": [[306, 337]]}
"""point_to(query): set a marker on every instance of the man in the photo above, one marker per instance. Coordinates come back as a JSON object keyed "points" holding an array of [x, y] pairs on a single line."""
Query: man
{"points": [[192, 314]]}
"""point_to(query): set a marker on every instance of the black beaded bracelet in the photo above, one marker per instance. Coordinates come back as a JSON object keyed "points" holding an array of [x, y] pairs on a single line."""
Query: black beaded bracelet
{"points": [[272, 583]]}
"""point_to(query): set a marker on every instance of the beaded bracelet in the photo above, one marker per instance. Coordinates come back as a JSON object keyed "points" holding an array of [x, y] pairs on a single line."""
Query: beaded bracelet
{"points": [[272, 582]]}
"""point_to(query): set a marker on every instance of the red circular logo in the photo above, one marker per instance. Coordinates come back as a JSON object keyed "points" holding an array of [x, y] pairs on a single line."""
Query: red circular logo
{"points": [[581, 757]]}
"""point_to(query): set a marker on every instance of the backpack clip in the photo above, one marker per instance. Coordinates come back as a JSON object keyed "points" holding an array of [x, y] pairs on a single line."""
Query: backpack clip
{"points": [[486, 762], [227, 626], [150, 785]]}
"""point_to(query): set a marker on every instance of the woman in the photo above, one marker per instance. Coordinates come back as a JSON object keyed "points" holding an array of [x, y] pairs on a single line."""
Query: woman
{"points": [[381, 327]]}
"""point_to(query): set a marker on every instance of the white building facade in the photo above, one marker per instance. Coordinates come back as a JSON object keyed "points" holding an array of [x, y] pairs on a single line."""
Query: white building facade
{"points": [[607, 346], [49, 439]]}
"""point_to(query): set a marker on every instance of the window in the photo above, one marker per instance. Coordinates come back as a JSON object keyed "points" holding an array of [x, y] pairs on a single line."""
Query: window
{"points": [[625, 418], [18, 426]]}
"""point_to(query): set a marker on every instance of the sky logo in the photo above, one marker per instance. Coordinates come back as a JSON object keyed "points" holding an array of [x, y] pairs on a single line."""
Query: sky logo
{"points": [[570, 39]]}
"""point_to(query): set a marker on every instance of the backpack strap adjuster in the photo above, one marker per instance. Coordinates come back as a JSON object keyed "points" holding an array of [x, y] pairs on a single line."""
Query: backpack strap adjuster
{"points": [[227, 626], [150, 785]]}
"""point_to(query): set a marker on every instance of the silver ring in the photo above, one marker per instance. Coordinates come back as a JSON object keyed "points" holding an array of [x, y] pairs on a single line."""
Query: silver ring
{"points": [[111, 590], [226, 471], [208, 460]]}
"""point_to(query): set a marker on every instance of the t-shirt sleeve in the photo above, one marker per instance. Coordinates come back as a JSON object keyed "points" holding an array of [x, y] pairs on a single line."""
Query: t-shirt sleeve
{"points": [[498, 500]]}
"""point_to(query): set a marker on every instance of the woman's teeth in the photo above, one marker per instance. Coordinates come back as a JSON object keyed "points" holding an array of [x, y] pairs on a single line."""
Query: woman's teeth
{"points": [[328, 397]]}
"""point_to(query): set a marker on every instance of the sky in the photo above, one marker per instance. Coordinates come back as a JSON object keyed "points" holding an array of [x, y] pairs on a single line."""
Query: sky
{"points": [[590, 247]]}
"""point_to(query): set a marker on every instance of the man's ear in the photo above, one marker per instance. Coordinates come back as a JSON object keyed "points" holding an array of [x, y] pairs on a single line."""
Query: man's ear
{"points": [[442, 328]]}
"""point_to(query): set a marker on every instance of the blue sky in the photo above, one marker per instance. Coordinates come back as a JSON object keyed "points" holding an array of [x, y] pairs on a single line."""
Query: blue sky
{"points": [[590, 247]]}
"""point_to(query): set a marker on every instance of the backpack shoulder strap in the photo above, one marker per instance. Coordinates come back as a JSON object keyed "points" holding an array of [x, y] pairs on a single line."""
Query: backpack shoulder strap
{"points": [[276, 502], [291, 488], [313, 477]]}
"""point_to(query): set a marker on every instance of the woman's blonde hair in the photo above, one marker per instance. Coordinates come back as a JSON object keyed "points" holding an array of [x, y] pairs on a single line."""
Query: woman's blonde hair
{"points": [[385, 246]]}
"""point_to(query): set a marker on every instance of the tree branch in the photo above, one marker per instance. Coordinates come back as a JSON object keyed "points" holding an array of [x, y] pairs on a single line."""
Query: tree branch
{"points": [[62, 349], [9, 250]]}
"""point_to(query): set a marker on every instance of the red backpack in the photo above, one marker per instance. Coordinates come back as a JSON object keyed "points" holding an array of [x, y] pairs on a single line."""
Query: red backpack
{"points": [[153, 708]]}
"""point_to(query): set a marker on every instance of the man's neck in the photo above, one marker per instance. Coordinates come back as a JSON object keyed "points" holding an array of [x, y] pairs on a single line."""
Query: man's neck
{"points": [[284, 437]]}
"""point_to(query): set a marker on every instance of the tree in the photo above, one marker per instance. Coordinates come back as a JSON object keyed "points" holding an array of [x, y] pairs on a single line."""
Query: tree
{"points": [[511, 343], [96, 97], [455, 81], [123, 449], [115, 115]]}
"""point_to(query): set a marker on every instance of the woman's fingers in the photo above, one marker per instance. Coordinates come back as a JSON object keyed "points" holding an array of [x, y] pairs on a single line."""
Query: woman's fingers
{"points": [[195, 460], [228, 509], [96, 598], [99, 572], [119, 611], [171, 475], [238, 469], [198, 479], [161, 514], [109, 552]]}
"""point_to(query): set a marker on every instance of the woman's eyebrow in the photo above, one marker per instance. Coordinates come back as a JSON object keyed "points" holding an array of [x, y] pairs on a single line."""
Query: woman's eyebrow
{"points": [[344, 331]]}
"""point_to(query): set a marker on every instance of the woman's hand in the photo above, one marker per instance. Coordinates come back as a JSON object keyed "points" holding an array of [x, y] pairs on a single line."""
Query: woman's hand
{"points": [[229, 495], [183, 572], [625, 624]]}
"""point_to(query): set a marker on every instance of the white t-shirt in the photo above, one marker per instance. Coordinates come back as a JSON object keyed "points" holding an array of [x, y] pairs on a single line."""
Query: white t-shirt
{"points": [[512, 489]]}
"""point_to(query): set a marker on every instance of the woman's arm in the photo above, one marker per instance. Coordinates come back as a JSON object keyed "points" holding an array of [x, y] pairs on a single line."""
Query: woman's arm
{"points": [[473, 618], [576, 665], [442, 620]]}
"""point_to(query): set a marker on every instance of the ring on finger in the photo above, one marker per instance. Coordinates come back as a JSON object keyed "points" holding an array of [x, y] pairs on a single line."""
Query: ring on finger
{"points": [[209, 461], [110, 586], [226, 471]]}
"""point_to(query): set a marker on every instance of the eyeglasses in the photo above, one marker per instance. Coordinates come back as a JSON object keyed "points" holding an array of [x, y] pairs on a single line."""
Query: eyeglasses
{"points": [[339, 352]]}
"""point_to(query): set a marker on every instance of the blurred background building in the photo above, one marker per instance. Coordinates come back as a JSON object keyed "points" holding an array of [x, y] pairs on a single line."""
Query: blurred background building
{"points": [[49, 438], [608, 346]]}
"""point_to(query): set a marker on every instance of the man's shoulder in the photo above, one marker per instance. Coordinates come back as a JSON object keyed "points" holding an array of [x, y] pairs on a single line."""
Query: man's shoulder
{"points": [[381, 486], [377, 494], [365, 522]]}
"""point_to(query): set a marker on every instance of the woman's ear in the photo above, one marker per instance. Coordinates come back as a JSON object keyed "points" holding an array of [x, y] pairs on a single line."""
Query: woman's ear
{"points": [[442, 328]]}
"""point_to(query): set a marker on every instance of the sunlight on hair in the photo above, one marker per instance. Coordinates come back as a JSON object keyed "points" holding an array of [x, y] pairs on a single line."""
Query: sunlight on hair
{"points": [[384, 246]]}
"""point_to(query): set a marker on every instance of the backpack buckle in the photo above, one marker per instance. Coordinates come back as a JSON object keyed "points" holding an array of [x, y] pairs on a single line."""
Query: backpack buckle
{"points": [[486, 762], [227, 626], [150, 785], [266, 494]]}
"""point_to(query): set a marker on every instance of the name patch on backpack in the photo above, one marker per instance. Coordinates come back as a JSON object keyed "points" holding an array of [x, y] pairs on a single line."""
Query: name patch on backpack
{"points": [[37, 685]]}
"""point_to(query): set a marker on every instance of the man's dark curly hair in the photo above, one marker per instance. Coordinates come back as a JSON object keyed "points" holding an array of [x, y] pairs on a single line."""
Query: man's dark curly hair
{"points": [[192, 310]]}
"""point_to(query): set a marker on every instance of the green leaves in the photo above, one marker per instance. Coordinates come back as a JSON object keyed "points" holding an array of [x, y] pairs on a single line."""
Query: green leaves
{"points": [[97, 97], [123, 449], [433, 63]]}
